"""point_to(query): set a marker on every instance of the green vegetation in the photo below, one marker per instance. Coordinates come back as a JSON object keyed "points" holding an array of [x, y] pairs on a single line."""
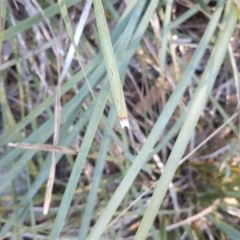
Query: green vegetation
{"points": [[68, 72]]}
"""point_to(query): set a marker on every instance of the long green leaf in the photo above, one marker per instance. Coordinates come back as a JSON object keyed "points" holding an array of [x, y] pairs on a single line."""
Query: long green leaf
{"points": [[111, 64], [3, 10]]}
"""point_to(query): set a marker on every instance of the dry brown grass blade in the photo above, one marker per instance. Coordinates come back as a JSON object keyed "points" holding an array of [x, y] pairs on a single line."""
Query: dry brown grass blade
{"points": [[50, 183], [44, 147], [195, 217], [48, 195]]}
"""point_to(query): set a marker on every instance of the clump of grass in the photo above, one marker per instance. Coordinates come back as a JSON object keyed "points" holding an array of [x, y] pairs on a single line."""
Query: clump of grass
{"points": [[174, 174]]}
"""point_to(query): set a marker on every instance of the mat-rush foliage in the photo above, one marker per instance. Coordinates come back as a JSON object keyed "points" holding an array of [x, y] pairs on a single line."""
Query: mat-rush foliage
{"points": [[162, 179]]}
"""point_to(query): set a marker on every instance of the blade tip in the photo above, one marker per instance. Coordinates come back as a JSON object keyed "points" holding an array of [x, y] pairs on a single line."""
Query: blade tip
{"points": [[124, 123], [10, 144], [45, 212]]}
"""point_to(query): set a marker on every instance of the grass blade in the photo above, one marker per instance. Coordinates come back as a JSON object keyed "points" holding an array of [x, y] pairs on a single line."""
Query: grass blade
{"points": [[111, 64], [3, 10]]}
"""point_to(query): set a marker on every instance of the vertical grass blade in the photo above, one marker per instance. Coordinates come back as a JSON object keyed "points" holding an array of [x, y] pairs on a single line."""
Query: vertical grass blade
{"points": [[111, 64], [165, 34], [3, 11], [7, 116]]}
